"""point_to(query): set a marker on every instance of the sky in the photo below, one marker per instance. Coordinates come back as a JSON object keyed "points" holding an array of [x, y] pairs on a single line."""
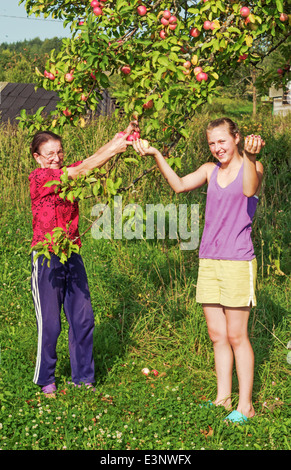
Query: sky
{"points": [[15, 25]]}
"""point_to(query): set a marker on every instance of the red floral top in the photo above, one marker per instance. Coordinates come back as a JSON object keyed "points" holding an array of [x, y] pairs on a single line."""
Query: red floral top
{"points": [[48, 209]]}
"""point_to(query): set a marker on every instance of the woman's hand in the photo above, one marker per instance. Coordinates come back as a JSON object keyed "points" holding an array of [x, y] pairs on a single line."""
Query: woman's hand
{"points": [[119, 143], [132, 127]]}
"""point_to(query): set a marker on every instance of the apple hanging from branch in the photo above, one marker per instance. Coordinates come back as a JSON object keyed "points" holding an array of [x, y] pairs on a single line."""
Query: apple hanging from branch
{"points": [[142, 10], [245, 11]]}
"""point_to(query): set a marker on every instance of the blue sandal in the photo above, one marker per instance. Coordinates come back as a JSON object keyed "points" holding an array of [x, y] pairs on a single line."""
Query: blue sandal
{"points": [[236, 417], [206, 404]]}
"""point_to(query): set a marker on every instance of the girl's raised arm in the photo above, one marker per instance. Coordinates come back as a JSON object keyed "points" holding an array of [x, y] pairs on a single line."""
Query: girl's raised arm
{"points": [[252, 170]]}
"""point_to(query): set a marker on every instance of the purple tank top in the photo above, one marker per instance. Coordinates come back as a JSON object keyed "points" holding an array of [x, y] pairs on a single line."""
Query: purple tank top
{"points": [[228, 221]]}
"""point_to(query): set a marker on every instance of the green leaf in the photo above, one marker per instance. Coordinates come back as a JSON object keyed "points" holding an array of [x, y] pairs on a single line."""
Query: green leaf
{"points": [[279, 4], [51, 183], [110, 186], [163, 61], [155, 56], [130, 160], [96, 188]]}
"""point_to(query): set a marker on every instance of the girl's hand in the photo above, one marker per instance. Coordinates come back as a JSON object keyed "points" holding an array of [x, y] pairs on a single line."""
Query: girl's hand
{"points": [[253, 145], [140, 147]]}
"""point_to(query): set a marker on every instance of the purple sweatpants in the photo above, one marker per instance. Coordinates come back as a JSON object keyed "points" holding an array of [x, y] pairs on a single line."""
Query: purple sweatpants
{"points": [[53, 287]]}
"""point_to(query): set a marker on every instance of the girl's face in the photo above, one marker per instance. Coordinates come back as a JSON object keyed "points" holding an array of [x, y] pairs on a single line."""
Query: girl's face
{"points": [[50, 155], [222, 144]]}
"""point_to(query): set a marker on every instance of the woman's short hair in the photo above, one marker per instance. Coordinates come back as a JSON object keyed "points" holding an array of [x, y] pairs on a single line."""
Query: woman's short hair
{"points": [[42, 137]]}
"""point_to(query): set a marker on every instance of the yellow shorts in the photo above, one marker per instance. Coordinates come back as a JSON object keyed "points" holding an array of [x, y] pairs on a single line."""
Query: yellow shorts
{"points": [[228, 283]]}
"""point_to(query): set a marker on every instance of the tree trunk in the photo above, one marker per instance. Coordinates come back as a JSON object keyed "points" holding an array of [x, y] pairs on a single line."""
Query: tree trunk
{"points": [[254, 93]]}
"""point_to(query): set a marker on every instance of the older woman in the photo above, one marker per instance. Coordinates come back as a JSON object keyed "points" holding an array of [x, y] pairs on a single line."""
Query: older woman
{"points": [[62, 285]]}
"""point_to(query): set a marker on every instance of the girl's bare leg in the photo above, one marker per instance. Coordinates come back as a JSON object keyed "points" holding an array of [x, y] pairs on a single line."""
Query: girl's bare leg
{"points": [[223, 354], [237, 332]]}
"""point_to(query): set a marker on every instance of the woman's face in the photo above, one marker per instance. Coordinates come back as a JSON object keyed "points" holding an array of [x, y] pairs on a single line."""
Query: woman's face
{"points": [[50, 154], [222, 144]]}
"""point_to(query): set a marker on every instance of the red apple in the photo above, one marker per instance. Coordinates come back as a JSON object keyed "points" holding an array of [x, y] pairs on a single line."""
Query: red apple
{"points": [[97, 11], [126, 69], [194, 32], [202, 76], [244, 11], [48, 75], [84, 97], [197, 70], [145, 371], [69, 77], [94, 3], [172, 26], [187, 64], [148, 105], [283, 17], [154, 371], [280, 71], [141, 10], [243, 57], [163, 34], [164, 21], [167, 14], [173, 20], [133, 136], [207, 25], [67, 112]]}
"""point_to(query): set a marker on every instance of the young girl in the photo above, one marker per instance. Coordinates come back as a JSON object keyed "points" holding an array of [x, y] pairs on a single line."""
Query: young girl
{"points": [[227, 263]]}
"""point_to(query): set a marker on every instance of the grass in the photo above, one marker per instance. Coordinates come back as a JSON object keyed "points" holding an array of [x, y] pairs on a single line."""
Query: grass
{"points": [[143, 294]]}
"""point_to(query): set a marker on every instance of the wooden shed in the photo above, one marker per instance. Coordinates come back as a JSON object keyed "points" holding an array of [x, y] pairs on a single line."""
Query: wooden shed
{"points": [[281, 98]]}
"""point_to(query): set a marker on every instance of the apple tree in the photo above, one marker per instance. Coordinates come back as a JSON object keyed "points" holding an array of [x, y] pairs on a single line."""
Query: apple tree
{"points": [[171, 57]]}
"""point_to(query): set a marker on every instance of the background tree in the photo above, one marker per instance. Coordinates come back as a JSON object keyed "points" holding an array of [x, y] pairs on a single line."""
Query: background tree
{"points": [[19, 60]]}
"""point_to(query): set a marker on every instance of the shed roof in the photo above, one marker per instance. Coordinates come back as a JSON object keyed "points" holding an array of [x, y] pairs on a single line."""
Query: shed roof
{"points": [[17, 96]]}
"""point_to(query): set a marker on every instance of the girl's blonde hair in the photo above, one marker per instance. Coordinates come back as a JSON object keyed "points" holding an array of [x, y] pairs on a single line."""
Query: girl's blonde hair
{"points": [[232, 127]]}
